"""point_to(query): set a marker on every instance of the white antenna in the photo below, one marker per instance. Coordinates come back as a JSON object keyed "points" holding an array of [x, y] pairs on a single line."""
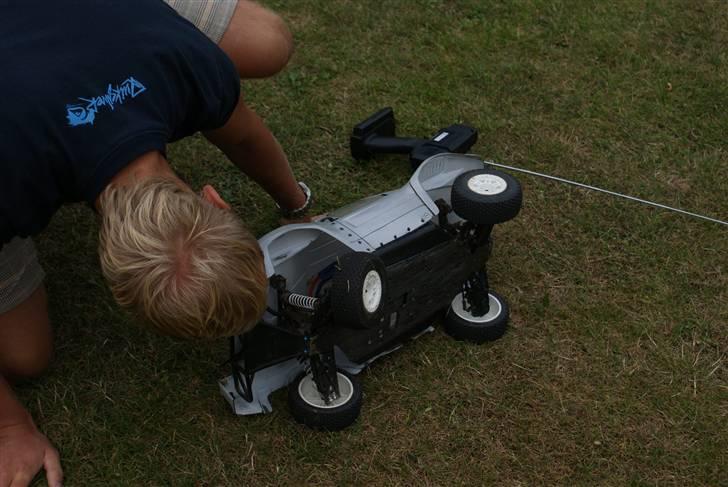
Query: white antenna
{"points": [[594, 188]]}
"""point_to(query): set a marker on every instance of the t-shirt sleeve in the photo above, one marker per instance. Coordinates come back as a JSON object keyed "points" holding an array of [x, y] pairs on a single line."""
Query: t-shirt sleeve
{"points": [[183, 83], [229, 94], [214, 90], [201, 88]]}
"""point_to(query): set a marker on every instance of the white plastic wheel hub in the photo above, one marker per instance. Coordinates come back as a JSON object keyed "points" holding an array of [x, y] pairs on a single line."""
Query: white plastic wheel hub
{"points": [[310, 394], [487, 184], [371, 293], [494, 310]]}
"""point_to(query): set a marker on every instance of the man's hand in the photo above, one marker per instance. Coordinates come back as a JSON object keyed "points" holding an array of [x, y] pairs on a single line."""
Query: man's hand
{"points": [[23, 452]]}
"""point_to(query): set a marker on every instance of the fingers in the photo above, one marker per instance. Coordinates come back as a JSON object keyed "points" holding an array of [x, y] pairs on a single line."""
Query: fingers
{"points": [[52, 464], [21, 479]]}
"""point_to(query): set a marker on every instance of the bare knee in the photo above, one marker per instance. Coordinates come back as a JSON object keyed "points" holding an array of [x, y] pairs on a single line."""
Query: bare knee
{"points": [[26, 364], [26, 341], [279, 46], [257, 40]]}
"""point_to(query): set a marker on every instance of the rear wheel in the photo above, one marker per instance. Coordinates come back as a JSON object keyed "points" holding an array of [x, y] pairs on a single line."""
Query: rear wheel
{"points": [[462, 324], [308, 406]]}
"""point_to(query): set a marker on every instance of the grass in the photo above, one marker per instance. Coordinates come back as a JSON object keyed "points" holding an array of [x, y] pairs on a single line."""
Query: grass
{"points": [[614, 370]]}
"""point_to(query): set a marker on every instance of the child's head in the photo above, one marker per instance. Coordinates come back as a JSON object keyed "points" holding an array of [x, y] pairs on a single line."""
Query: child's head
{"points": [[188, 267]]}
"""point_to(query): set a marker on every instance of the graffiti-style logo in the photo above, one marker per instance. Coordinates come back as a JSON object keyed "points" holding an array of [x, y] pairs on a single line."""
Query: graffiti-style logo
{"points": [[86, 109]]}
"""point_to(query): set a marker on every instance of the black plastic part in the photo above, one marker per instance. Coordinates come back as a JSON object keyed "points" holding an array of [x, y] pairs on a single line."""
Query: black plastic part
{"points": [[347, 290], [380, 123], [242, 379], [475, 291], [279, 346], [378, 144], [444, 210], [326, 419], [419, 289], [456, 138], [323, 368], [475, 332], [486, 209], [412, 244], [377, 135]]}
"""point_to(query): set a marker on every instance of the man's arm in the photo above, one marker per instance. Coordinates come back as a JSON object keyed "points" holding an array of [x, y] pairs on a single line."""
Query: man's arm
{"points": [[251, 146], [23, 449], [26, 343]]}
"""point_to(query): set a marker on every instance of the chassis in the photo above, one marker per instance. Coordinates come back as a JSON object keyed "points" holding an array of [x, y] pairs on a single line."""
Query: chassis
{"points": [[359, 283]]}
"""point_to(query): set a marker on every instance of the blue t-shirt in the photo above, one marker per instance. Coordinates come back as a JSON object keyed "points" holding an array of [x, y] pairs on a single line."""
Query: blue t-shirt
{"points": [[87, 86]]}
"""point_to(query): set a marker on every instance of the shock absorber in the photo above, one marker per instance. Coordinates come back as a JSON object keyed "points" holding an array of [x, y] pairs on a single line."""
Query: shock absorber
{"points": [[302, 301]]}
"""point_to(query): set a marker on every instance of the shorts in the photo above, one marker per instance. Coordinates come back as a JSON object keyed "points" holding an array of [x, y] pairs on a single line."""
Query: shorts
{"points": [[20, 272], [212, 17]]}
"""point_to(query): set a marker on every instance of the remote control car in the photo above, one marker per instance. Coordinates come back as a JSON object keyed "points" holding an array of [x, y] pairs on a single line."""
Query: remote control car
{"points": [[359, 283]]}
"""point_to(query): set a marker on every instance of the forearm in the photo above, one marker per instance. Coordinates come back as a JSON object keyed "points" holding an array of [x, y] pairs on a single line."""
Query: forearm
{"points": [[250, 145], [11, 411]]}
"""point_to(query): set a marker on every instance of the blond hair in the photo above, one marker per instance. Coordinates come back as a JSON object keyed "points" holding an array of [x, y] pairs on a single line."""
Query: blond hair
{"points": [[189, 268]]}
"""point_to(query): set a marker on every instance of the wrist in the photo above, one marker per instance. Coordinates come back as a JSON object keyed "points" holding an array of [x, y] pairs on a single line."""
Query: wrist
{"points": [[12, 413], [17, 420], [300, 211]]}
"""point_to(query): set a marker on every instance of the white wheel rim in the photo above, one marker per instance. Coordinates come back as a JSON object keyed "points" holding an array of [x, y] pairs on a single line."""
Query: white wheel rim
{"points": [[310, 394], [494, 310], [487, 184], [371, 294]]}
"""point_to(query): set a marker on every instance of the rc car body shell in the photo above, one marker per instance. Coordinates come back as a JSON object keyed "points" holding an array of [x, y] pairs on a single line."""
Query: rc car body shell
{"points": [[299, 252], [371, 222]]}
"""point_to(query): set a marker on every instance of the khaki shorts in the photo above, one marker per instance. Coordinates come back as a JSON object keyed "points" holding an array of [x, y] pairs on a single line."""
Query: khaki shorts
{"points": [[20, 272], [210, 16]]}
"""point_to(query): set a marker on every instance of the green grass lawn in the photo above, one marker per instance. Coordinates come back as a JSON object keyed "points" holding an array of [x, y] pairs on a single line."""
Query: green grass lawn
{"points": [[614, 369]]}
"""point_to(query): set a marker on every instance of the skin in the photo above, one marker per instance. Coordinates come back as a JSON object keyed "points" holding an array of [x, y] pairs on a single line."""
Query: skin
{"points": [[259, 45], [23, 449]]}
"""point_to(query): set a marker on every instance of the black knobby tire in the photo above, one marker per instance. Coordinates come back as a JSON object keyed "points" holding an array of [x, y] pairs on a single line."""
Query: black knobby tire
{"points": [[349, 290], [325, 418], [486, 196], [462, 325]]}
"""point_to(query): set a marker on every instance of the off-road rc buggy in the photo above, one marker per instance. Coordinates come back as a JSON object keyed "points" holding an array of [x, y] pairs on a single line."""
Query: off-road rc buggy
{"points": [[359, 283]]}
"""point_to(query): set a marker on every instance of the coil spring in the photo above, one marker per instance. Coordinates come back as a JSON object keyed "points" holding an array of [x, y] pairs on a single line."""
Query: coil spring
{"points": [[302, 302]]}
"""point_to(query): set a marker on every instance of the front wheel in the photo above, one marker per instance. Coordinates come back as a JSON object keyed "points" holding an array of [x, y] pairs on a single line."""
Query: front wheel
{"points": [[308, 407], [358, 290], [462, 324], [486, 196]]}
